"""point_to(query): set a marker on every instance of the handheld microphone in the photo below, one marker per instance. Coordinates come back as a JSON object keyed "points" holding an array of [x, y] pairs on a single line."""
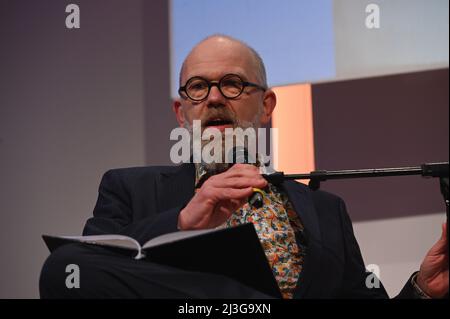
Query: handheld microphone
{"points": [[240, 155]]}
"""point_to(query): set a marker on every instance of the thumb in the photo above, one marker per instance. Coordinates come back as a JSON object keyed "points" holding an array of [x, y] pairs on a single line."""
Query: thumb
{"points": [[441, 245], [444, 232]]}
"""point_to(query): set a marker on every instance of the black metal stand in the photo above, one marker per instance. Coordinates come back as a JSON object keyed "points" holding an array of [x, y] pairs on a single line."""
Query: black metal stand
{"points": [[440, 170], [426, 170]]}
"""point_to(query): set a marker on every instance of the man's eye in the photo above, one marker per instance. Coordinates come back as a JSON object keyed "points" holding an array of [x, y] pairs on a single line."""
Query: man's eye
{"points": [[198, 86], [231, 84]]}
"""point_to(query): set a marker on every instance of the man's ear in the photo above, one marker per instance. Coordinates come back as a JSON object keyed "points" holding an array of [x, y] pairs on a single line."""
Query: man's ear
{"points": [[269, 102], [178, 110]]}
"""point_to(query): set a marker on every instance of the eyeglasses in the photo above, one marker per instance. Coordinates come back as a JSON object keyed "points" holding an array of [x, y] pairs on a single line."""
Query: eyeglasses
{"points": [[230, 86]]}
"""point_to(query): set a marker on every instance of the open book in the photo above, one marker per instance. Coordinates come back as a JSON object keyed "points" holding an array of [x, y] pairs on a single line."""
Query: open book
{"points": [[233, 252]]}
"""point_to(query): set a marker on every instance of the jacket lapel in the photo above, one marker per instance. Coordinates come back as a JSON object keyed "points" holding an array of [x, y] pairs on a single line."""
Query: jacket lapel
{"points": [[175, 186], [300, 197]]}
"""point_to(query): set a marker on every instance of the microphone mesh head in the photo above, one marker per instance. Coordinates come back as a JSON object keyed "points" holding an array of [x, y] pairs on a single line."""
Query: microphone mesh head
{"points": [[239, 155]]}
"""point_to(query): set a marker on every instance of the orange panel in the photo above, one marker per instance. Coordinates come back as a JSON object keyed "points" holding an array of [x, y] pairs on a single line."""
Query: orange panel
{"points": [[293, 118]]}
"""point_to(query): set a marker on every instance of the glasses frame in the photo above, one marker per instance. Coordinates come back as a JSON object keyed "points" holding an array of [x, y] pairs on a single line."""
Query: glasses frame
{"points": [[245, 84]]}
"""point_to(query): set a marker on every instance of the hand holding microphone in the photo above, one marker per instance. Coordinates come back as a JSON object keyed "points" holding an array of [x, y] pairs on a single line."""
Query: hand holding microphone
{"points": [[240, 155], [220, 196]]}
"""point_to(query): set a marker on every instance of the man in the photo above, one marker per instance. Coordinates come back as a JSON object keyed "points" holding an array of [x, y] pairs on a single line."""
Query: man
{"points": [[307, 236]]}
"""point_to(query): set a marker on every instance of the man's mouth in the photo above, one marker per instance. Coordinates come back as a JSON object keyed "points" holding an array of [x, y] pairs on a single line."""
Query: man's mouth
{"points": [[219, 123]]}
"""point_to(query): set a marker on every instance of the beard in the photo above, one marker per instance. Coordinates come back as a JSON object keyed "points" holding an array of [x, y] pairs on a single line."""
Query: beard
{"points": [[221, 165]]}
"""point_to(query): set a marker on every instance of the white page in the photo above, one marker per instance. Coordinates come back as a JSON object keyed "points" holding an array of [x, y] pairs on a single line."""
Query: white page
{"points": [[108, 240], [172, 237]]}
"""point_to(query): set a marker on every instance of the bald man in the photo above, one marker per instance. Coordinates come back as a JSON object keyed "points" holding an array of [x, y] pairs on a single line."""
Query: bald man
{"points": [[307, 236]]}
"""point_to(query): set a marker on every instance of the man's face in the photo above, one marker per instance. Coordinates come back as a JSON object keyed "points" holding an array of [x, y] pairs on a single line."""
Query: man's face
{"points": [[212, 60]]}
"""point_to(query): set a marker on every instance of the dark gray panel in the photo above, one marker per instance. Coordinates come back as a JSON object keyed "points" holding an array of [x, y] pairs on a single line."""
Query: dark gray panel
{"points": [[71, 107], [399, 120], [159, 118]]}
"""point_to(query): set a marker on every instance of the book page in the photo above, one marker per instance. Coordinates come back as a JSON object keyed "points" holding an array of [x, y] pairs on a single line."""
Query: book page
{"points": [[172, 237], [107, 240]]}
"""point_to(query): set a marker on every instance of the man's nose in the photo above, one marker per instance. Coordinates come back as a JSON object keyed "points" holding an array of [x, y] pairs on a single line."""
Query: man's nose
{"points": [[215, 97]]}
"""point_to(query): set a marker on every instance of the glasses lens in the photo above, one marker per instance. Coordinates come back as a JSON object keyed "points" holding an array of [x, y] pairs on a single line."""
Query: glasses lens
{"points": [[197, 88], [231, 86]]}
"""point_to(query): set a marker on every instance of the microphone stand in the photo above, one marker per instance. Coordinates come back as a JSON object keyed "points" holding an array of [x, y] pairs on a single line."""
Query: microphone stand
{"points": [[436, 170]]}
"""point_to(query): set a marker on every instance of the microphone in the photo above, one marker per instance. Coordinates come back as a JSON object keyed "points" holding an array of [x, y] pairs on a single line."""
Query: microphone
{"points": [[240, 155]]}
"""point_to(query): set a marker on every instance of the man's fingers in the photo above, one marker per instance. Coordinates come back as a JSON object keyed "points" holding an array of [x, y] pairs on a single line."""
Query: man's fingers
{"points": [[234, 193], [237, 203], [243, 176], [242, 182], [238, 170], [240, 166], [225, 209], [440, 247]]}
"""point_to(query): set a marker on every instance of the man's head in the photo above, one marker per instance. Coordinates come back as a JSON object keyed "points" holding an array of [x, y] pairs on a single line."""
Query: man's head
{"points": [[212, 59]]}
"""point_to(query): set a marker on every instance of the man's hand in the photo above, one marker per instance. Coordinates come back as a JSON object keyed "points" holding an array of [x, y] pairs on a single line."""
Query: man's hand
{"points": [[220, 196], [433, 274]]}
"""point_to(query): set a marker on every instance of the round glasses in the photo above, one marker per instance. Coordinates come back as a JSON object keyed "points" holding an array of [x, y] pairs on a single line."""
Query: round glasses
{"points": [[230, 86]]}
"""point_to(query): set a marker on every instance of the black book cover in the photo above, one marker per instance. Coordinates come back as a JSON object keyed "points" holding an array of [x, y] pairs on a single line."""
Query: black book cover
{"points": [[233, 252]]}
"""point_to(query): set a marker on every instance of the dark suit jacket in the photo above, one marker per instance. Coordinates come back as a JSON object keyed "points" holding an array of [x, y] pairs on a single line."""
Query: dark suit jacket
{"points": [[144, 202]]}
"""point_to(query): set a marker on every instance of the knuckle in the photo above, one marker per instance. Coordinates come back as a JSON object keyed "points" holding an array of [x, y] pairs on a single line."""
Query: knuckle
{"points": [[227, 193], [210, 180], [207, 192]]}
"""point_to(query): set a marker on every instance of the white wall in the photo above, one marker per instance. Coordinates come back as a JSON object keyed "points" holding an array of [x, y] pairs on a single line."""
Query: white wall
{"points": [[398, 245], [413, 36]]}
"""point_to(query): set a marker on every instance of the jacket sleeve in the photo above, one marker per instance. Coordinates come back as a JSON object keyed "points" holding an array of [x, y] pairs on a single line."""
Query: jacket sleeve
{"points": [[113, 214]]}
